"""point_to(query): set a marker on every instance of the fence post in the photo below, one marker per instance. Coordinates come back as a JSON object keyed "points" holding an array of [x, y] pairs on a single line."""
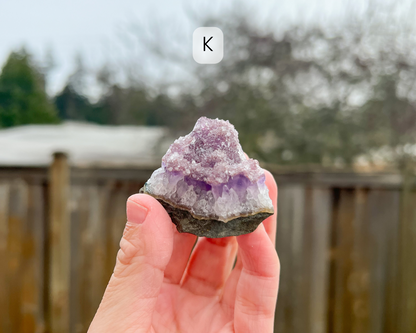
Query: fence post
{"points": [[59, 244]]}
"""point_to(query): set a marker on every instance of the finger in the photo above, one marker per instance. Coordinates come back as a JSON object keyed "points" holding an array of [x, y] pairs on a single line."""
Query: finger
{"points": [[209, 266], [270, 226], [270, 222], [145, 250], [230, 288], [258, 283], [182, 248]]}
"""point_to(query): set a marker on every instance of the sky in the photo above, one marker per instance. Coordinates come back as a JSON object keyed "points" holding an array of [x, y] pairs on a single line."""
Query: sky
{"points": [[102, 30]]}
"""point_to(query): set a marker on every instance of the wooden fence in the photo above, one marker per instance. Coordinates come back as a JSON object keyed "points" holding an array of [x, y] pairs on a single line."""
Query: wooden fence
{"points": [[347, 245]]}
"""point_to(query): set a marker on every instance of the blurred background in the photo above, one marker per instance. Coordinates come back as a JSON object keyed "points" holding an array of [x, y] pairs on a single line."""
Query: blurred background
{"points": [[322, 93]]}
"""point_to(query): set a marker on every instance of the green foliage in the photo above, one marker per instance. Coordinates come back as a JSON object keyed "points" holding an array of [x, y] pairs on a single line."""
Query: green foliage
{"points": [[71, 105], [22, 95]]}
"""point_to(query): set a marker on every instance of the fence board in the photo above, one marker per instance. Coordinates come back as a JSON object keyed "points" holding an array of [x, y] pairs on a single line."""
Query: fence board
{"points": [[34, 250], [406, 307], [389, 202], [4, 271], [341, 299], [316, 257], [60, 246], [384, 222], [289, 313], [359, 280], [78, 301], [17, 257]]}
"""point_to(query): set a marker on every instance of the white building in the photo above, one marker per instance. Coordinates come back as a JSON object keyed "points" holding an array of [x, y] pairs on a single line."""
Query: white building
{"points": [[85, 144]]}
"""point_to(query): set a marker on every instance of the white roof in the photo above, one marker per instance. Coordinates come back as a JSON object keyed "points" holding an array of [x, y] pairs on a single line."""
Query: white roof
{"points": [[86, 144]]}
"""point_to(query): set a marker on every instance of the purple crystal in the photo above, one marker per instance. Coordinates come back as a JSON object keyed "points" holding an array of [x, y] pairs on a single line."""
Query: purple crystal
{"points": [[211, 153], [207, 174]]}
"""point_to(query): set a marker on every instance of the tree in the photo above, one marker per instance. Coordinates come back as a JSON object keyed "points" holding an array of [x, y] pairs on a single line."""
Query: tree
{"points": [[134, 105], [23, 99], [71, 102], [71, 105], [310, 95]]}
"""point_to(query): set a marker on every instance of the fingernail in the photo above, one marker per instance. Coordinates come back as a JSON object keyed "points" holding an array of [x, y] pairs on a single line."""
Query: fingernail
{"points": [[136, 213]]}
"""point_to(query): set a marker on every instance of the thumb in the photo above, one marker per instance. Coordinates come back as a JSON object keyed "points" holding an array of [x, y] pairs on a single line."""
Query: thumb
{"points": [[145, 250]]}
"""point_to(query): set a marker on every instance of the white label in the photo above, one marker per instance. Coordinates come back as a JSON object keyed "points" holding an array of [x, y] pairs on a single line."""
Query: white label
{"points": [[208, 45]]}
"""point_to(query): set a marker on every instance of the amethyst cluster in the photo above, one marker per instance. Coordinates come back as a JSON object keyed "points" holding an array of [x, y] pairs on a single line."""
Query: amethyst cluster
{"points": [[208, 186]]}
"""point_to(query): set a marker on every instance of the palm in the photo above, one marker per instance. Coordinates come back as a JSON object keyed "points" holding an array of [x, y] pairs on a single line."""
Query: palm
{"points": [[207, 294], [179, 310], [163, 282]]}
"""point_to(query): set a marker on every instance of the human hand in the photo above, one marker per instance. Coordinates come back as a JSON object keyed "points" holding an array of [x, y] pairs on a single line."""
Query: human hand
{"points": [[158, 285]]}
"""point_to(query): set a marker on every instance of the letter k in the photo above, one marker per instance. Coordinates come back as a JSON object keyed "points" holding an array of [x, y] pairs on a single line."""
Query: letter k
{"points": [[206, 43]]}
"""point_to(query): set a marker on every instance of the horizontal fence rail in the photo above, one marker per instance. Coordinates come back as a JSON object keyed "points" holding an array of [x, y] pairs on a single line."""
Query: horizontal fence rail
{"points": [[346, 242]]}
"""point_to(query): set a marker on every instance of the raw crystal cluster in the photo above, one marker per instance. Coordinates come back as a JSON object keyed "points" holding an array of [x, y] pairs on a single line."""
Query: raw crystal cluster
{"points": [[207, 184]]}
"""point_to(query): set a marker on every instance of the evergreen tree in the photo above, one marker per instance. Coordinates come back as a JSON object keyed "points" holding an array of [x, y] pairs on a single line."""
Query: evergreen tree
{"points": [[23, 99], [71, 105]]}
